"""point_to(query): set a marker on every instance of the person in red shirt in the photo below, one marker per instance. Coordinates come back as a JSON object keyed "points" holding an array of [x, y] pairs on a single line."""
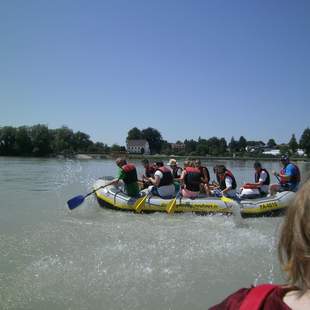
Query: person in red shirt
{"points": [[294, 256]]}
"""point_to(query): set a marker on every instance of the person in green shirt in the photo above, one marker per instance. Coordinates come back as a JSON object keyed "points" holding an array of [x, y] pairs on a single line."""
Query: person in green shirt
{"points": [[127, 173]]}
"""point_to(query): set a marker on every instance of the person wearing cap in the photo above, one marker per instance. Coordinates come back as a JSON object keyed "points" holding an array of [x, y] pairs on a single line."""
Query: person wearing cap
{"points": [[128, 174], [289, 177], [162, 182], [176, 170], [149, 171], [261, 183]]}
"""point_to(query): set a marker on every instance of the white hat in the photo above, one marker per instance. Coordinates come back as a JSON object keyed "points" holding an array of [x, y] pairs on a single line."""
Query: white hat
{"points": [[172, 162]]}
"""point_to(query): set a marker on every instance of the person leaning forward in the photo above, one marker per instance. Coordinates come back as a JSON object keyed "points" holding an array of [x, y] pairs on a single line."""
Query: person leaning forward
{"points": [[128, 174], [149, 171], [162, 182]]}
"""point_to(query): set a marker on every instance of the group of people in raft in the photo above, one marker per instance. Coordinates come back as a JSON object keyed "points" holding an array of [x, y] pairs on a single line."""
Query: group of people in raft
{"points": [[170, 180]]}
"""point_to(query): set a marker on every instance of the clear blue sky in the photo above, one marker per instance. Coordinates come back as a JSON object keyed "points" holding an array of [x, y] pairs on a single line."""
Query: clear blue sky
{"points": [[187, 68]]}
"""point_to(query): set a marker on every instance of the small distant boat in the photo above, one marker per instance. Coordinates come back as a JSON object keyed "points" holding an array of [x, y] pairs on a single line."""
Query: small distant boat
{"points": [[114, 198]]}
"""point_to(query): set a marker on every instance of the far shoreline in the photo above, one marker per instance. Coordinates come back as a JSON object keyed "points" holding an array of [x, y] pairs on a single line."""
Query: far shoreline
{"points": [[85, 156]]}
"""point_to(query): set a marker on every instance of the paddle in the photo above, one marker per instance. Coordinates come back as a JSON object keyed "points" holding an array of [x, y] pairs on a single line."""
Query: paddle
{"points": [[171, 205], [140, 203], [77, 200]]}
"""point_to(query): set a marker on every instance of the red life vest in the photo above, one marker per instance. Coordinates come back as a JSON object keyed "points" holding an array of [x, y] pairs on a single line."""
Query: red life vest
{"points": [[192, 179], [167, 178], [222, 180], [256, 297], [294, 178], [130, 173]]}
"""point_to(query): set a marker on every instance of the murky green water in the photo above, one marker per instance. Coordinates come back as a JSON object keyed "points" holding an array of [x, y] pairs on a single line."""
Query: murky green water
{"points": [[92, 258]]}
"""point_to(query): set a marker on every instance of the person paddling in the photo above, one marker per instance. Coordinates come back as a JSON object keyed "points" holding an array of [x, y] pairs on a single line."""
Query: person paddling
{"points": [[128, 174]]}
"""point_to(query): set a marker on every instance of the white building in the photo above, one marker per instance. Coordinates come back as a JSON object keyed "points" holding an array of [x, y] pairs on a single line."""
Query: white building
{"points": [[138, 146], [274, 152]]}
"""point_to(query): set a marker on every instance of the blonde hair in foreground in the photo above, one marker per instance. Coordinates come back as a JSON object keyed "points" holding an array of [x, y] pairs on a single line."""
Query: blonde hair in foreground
{"points": [[294, 243]]}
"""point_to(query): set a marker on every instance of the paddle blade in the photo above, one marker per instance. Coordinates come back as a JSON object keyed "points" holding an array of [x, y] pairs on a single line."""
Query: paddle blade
{"points": [[226, 199], [75, 201], [171, 206], [140, 203]]}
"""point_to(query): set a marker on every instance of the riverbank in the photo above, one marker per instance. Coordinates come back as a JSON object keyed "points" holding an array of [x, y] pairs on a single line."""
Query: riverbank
{"points": [[86, 156]]}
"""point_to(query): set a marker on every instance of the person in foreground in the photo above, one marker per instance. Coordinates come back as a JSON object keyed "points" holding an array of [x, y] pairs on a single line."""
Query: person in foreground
{"points": [[289, 177], [127, 173], [294, 256]]}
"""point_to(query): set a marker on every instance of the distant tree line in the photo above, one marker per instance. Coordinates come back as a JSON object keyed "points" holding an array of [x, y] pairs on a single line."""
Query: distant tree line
{"points": [[39, 140], [218, 146]]}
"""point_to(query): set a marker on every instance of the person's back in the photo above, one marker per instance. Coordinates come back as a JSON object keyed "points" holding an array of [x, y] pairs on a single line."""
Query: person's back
{"points": [[162, 181], [190, 179], [293, 250], [128, 174]]}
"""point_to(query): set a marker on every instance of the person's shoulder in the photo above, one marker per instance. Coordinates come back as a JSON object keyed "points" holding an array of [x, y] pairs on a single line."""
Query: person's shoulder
{"points": [[274, 300], [233, 301]]}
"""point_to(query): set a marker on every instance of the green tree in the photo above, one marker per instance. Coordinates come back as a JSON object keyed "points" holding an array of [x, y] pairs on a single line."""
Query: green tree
{"points": [[63, 140], [190, 146], [8, 140], [233, 145], [115, 148], [222, 146], [134, 134], [293, 144], [304, 141], [23, 141], [81, 141], [41, 138], [154, 138], [271, 143], [242, 144], [98, 147]]}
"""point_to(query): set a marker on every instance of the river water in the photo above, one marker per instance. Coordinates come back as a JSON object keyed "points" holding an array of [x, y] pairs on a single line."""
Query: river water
{"points": [[89, 258]]}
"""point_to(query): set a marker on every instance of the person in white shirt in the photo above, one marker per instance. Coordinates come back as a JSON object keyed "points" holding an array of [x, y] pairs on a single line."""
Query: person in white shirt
{"points": [[228, 182], [260, 186], [162, 182]]}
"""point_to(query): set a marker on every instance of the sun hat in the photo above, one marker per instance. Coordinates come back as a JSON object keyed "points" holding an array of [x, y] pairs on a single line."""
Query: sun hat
{"points": [[172, 162]]}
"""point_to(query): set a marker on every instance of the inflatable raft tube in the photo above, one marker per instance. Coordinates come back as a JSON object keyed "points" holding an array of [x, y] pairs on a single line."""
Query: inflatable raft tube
{"points": [[112, 197]]}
